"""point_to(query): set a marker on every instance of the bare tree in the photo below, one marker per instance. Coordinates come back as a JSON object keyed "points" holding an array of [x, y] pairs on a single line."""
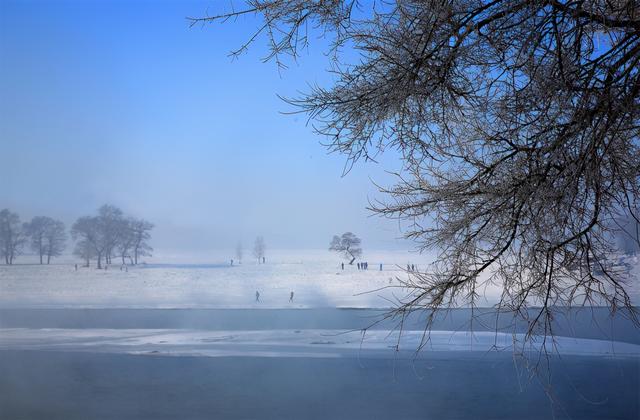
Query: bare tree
{"points": [[47, 236], [12, 236], [36, 230], [85, 250], [55, 239], [348, 245], [111, 231], [90, 233], [126, 240], [239, 252], [259, 248], [518, 126], [103, 232], [112, 226], [141, 234]]}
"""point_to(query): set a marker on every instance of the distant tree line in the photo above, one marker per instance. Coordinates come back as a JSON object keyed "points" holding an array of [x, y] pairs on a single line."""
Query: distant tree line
{"points": [[102, 237]]}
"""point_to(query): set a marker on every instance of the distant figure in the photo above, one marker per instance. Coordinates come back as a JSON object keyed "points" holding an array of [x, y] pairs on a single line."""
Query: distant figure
{"points": [[76, 267], [262, 260], [358, 266], [341, 264], [380, 266], [291, 297], [366, 265], [413, 268], [257, 296], [408, 267], [231, 261]]}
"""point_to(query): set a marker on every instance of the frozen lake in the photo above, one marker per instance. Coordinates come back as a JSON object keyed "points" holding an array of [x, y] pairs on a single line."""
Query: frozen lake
{"points": [[62, 385], [175, 340], [296, 363]]}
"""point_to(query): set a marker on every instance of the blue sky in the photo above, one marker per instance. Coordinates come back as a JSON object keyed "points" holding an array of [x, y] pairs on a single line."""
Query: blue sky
{"points": [[122, 102]]}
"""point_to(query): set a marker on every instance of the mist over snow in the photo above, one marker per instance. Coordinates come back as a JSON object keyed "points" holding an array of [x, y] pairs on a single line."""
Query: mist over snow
{"points": [[198, 147]]}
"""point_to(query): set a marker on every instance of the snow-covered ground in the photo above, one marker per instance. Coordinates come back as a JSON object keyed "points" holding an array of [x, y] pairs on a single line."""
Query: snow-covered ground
{"points": [[315, 277], [208, 281]]}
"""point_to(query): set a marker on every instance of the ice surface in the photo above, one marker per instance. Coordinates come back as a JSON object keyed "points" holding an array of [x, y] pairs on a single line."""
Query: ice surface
{"points": [[293, 343]]}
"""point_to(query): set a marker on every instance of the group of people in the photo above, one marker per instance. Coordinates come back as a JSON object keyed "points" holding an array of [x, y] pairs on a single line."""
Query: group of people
{"points": [[411, 267], [363, 266]]}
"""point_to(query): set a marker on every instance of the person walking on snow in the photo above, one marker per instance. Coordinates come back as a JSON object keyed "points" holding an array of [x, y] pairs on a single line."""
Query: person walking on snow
{"points": [[257, 296], [291, 297]]}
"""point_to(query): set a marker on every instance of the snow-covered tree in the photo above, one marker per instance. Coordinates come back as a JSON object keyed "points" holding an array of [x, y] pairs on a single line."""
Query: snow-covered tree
{"points": [[47, 237], [348, 245], [90, 233], [55, 239], [126, 240], [111, 231], [112, 225], [85, 250], [35, 230], [141, 230], [12, 236]]}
